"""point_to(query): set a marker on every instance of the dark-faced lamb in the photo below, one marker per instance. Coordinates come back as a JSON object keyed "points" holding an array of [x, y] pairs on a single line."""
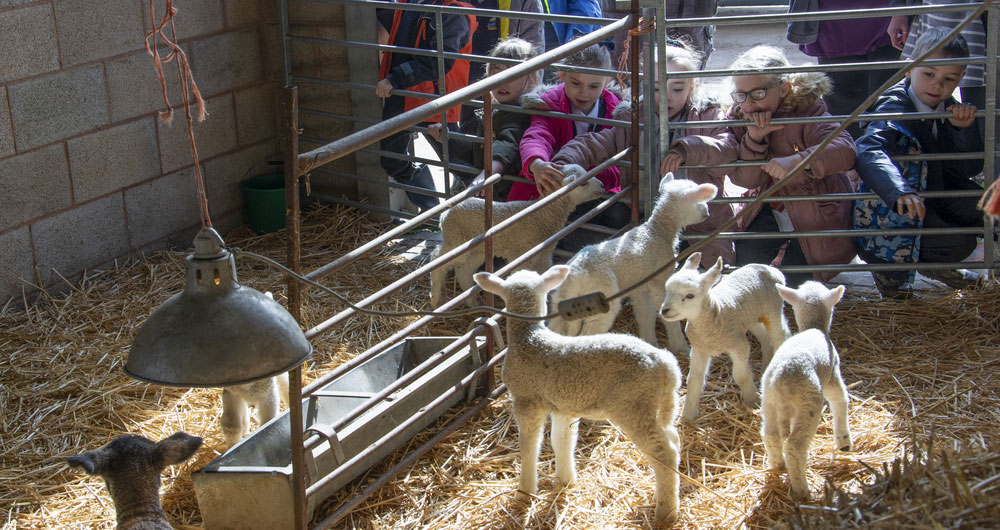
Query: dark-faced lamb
{"points": [[617, 263], [608, 376], [464, 221], [130, 466], [804, 372], [719, 313], [266, 396]]}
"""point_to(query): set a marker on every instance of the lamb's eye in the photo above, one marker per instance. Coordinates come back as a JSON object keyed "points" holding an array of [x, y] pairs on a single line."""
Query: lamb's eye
{"points": [[689, 296]]}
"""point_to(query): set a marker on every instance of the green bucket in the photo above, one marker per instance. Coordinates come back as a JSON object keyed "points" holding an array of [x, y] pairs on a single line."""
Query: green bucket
{"points": [[265, 196]]}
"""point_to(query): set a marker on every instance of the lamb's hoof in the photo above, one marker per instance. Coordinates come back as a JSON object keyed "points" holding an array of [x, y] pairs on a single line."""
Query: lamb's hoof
{"points": [[665, 520], [752, 402], [567, 481], [800, 495], [847, 448], [522, 496]]}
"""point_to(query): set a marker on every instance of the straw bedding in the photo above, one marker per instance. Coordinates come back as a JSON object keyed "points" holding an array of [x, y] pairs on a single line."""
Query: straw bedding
{"points": [[922, 374]]}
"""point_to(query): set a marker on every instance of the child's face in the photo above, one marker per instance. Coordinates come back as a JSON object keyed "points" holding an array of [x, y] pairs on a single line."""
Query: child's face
{"points": [[748, 86], [678, 92], [510, 93], [583, 90], [934, 84]]}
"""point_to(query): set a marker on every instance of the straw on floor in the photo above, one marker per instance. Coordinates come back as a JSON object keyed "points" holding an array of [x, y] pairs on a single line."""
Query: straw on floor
{"points": [[924, 414]]}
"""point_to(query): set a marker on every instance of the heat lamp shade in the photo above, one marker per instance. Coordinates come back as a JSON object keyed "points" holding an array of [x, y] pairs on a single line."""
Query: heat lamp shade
{"points": [[217, 337]]}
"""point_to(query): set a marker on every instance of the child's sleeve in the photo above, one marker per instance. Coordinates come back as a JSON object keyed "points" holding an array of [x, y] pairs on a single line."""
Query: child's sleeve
{"points": [[537, 142], [967, 140], [876, 168], [709, 146], [590, 149], [838, 156], [423, 68], [507, 141]]}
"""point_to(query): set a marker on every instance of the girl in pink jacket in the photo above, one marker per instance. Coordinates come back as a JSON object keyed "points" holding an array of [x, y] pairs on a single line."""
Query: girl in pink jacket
{"points": [[760, 98], [684, 103], [579, 94]]}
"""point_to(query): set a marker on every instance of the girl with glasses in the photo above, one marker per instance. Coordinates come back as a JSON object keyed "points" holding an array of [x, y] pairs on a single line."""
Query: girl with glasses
{"points": [[762, 98]]}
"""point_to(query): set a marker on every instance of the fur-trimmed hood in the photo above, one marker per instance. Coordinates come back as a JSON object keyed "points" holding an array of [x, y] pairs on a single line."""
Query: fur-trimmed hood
{"points": [[533, 99], [624, 109]]}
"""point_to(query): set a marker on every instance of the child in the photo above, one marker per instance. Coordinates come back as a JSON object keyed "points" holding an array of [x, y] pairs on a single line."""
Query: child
{"points": [[508, 126], [684, 103], [418, 73], [925, 89], [760, 98], [579, 94]]}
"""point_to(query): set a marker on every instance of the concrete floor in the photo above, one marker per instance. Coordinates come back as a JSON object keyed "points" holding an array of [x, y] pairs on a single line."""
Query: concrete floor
{"points": [[730, 41]]}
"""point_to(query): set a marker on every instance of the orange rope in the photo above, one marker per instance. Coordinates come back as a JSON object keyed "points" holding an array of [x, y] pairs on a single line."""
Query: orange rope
{"points": [[623, 61], [186, 77]]}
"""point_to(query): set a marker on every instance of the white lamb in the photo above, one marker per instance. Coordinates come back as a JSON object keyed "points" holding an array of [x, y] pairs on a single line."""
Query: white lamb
{"points": [[719, 318], [464, 221], [617, 263], [609, 376], [266, 395], [804, 371]]}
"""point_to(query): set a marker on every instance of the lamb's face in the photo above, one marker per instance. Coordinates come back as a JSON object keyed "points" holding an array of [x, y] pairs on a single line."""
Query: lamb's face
{"points": [[691, 197], [684, 296], [593, 189]]}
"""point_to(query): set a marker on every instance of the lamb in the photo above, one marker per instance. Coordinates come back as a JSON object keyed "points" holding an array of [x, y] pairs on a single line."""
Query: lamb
{"points": [[131, 467], [264, 395], [719, 318], [804, 371], [617, 263], [465, 221], [610, 376]]}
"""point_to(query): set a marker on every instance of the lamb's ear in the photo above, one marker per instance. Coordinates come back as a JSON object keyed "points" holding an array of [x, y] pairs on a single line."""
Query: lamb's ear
{"points": [[92, 461], [177, 448], [693, 261], [489, 282], [712, 275], [554, 277], [787, 293], [705, 192], [833, 296]]}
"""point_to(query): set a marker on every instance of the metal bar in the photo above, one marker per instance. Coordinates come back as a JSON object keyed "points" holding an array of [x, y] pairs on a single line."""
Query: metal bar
{"points": [[488, 204], [443, 89], [399, 429], [908, 116], [286, 49], [346, 508], [989, 125], [841, 233], [567, 19], [440, 260], [737, 20], [290, 132], [634, 47], [350, 143], [874, 65]]}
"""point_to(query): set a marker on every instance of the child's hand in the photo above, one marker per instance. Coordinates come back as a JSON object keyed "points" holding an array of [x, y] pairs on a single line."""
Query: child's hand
{"points": [[898, 30], [962, 115], [672, 162], [479, 179], [548, 176], [912, 204], [761, 126], [780, 167], [383, 88], [434, 130]]}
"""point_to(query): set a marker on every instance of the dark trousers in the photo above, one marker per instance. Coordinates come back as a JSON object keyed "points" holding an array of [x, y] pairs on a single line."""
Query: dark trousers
{"points": [[850, 89], [617, 216], [765, 250], [402, 143]]}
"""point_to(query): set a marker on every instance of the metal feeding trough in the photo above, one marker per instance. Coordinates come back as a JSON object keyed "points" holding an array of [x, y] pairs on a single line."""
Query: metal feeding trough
{"points": [[250, 486]]}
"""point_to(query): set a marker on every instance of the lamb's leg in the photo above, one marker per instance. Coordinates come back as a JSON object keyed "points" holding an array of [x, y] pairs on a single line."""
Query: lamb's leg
{"points": [[804, 425], [235, 417], [530, 420], [564, 431], [282, 380], [438, 276], [646, 314], [267, 405], [744, 376], [464, 270], [676, 342], [835, 392], [771, 433], [661, 445], [695, 383]]}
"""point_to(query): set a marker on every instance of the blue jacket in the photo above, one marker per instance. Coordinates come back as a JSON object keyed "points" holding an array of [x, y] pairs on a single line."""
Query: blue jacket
{"points": [[890, 180], [577, 8]]}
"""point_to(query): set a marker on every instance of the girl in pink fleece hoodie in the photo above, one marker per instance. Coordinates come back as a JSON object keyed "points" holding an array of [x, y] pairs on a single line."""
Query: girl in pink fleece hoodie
{"points": [[579, 94]]}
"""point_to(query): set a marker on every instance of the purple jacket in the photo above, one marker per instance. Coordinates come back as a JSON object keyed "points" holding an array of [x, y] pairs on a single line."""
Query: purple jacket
{"points": [[547, 135]]}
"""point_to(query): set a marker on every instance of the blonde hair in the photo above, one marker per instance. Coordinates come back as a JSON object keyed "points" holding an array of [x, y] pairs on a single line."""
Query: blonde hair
{"points": [[593, 56], [514, 49], [682, 54], [806, 87]]}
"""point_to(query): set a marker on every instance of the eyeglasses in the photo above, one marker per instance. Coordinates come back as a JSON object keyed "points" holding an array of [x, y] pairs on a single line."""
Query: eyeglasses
{"points": [[756, 94]]}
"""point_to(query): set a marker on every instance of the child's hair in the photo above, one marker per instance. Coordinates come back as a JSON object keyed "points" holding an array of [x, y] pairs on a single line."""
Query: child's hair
{"points": [[681, 53], [593, 56], [806, 87], [510, 48], [956, 48]]}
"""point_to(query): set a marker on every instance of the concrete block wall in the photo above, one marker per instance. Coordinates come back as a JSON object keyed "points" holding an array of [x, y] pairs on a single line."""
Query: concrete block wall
{"points": [[88, 173]]}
